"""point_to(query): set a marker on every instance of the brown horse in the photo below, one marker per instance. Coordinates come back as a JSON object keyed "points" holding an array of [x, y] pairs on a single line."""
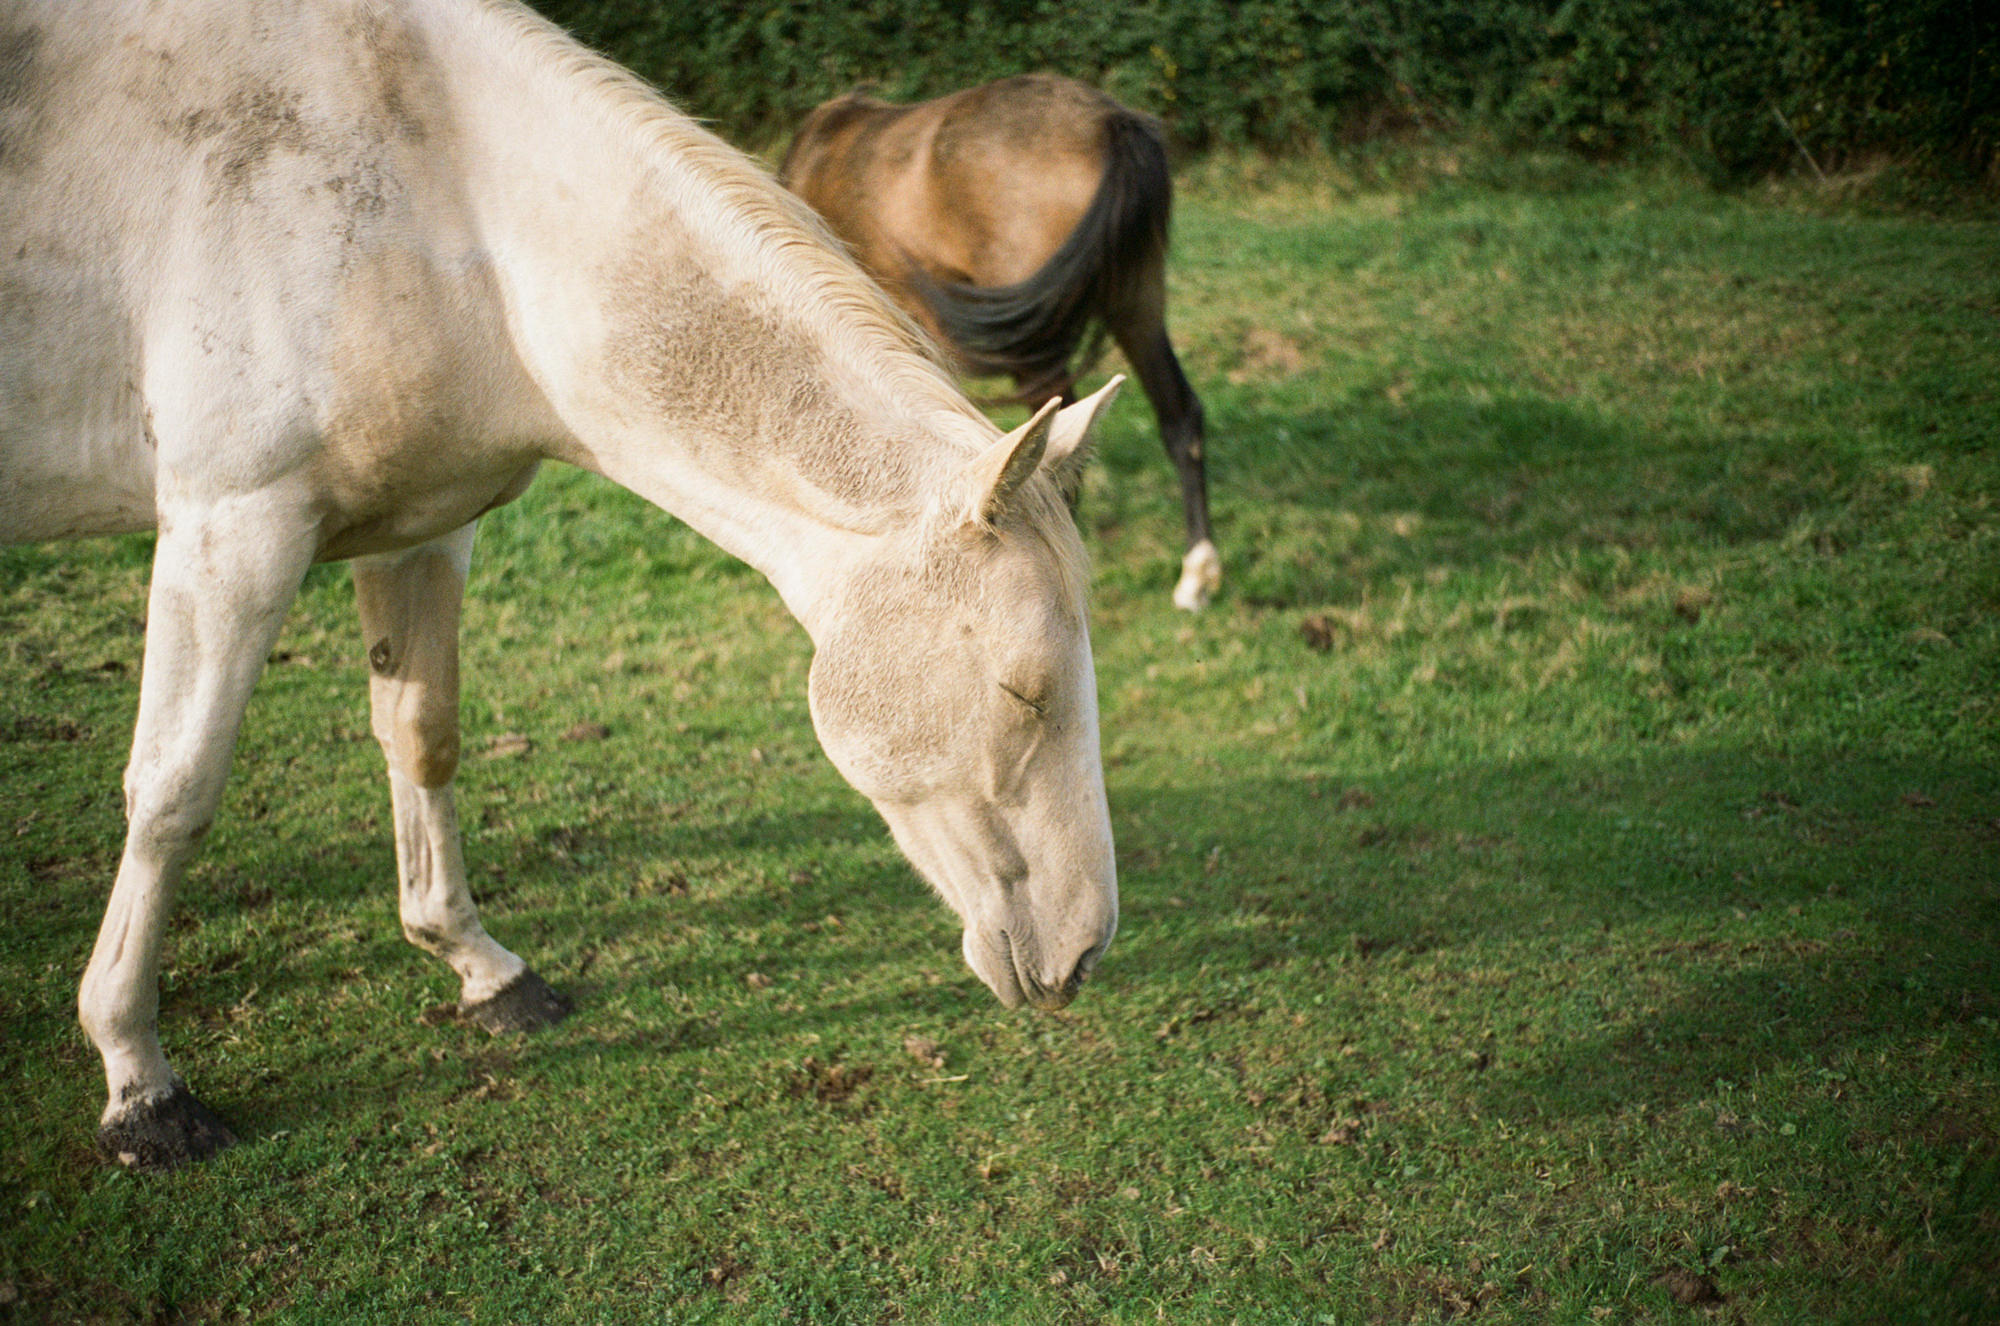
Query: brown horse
{"points": [[1010, 219]]}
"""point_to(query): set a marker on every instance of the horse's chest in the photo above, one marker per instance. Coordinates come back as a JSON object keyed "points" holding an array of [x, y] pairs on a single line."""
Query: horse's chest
{"points": [[406, 456], [427, 419]]}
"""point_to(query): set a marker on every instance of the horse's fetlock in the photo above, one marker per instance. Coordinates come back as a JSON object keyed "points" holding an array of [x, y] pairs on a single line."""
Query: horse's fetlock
{"points": [[110, 1022], [426, 938]]}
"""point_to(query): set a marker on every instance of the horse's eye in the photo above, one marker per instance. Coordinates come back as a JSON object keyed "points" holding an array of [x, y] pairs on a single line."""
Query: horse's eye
{"points": [[1035, 705]]}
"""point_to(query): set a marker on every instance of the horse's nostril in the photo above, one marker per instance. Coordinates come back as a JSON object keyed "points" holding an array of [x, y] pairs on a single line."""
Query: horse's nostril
{"points": [[1085, 965]]}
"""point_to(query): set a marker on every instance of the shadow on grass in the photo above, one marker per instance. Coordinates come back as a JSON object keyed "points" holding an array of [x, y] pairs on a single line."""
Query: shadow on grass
{"points": [[1313, 500], [1676, 868], [1680, 866], [1695, 854], [1416, 858]]}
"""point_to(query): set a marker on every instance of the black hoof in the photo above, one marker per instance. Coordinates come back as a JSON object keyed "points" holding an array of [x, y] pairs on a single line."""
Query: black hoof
{"points": [[164, 1133], [525, 1003]]}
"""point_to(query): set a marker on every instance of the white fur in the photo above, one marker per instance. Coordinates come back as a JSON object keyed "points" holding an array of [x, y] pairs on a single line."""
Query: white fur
{"points": [[315, 279], [1201, 575]]}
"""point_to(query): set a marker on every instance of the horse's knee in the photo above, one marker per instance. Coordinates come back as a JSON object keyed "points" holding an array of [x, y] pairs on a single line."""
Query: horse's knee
{"points": [[416, 724], [409, 609], [434, 761], [168, 810], [427, 723], [422, 749]]}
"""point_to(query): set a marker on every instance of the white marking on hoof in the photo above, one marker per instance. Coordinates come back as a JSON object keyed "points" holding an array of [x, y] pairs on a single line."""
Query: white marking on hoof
{"points": [[1201, 573]]}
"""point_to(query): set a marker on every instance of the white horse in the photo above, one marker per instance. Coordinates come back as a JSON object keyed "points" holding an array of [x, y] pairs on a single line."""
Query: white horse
{"points": [[306, 280]]}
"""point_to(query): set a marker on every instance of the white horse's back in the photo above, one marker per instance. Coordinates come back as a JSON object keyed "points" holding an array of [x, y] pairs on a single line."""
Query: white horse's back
{"points": [[237, 241]]}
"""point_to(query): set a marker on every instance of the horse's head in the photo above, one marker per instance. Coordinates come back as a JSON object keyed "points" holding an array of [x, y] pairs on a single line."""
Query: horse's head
{"points": [[954, 688]]}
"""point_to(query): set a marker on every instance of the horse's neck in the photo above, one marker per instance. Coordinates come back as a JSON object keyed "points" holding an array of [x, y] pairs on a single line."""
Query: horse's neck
{"points": [[686, 348]]}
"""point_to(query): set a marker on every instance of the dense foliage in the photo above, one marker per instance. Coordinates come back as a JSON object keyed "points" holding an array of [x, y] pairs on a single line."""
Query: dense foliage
{"points": [[1735, 86]]}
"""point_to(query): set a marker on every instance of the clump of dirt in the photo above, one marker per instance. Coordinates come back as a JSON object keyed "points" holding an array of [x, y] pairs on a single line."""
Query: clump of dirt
{"points": [[34, 727], [1690, 1289], [1267, 355], [830, 1083], [1690, 600]]}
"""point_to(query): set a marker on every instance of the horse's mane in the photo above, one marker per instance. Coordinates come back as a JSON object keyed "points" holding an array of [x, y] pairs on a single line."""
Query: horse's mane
{"points": [[797, 254], [797, 251]]}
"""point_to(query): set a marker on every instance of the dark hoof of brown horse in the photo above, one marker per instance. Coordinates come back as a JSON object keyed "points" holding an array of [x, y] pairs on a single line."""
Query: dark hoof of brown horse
{"points": [[164, 1133], [526, 1003]]}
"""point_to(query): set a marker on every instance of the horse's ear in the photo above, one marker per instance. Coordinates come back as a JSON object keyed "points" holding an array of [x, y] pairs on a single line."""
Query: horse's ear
{"points": [[993, 476], [1074, 432]]}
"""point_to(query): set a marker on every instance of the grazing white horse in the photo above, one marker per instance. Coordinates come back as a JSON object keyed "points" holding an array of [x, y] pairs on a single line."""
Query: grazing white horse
{"points": [[305, 280]]}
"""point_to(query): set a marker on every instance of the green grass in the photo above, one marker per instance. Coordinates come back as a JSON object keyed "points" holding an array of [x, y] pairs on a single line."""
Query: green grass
{"points": [[1561, 870]]}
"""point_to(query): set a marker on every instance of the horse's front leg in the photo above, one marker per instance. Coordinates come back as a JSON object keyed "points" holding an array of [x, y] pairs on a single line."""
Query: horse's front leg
{"points": [[409, 604], [223, 577]]}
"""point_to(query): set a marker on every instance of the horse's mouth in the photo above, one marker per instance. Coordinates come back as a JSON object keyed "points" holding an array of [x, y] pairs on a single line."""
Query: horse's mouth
{"points": [[1047, 999], [996, 962]]}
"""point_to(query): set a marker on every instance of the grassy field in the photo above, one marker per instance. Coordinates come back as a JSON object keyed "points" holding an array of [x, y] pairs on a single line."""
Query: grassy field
{"points": [[1561, 873]]}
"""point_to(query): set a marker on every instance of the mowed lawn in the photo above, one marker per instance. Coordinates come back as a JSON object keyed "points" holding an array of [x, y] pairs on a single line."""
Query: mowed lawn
{"points": [[1561, 873]]}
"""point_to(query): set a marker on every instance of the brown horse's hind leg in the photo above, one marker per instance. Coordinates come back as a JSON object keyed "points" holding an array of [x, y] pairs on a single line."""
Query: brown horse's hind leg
{"points": [[1141, 332], [409, 604]]}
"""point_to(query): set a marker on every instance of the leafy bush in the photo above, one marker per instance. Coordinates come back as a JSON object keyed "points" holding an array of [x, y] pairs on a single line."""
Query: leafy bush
{"points": [[1734, 86]]}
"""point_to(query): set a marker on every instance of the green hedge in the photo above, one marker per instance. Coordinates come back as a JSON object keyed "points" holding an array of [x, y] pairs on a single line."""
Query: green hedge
{"points": [[1727, 84]]}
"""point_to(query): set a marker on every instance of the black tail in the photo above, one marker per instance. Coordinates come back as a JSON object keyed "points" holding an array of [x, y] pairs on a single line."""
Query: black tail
{"points": [[1031, 330]]}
